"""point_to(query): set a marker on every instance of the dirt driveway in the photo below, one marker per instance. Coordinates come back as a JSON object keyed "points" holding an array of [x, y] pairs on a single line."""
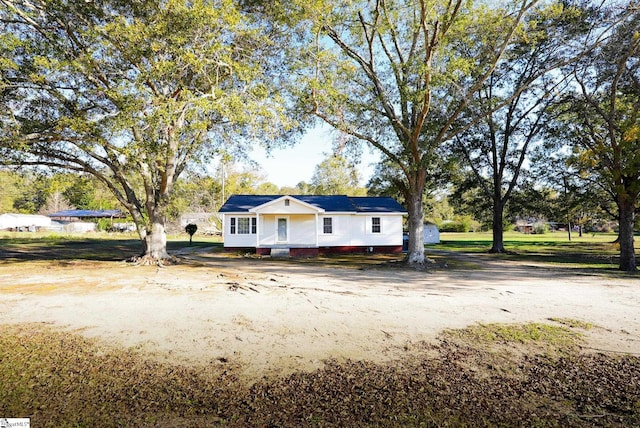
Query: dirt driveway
{"points": [[273, 317]]}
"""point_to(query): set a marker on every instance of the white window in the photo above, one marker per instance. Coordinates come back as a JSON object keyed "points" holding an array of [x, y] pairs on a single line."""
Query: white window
{"points": [[242, 225], [327, 225], [376, 225]]}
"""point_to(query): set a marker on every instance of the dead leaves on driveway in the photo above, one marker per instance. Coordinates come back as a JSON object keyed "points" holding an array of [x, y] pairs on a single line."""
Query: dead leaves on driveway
{"points": [[62, 379]]}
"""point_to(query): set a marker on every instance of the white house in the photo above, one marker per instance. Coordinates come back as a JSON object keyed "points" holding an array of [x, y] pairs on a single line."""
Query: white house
{"points": [[308, 225]]}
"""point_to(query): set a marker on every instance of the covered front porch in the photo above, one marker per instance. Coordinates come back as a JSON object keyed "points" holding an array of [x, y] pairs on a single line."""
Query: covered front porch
{"points": [[287, 223]]}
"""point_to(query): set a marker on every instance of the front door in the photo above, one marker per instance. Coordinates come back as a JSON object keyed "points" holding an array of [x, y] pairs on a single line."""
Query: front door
{"points": [[282, 230]]}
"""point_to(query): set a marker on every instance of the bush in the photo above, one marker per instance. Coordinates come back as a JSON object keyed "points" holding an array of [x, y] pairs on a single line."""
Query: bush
{"points": [[103, 224], [540, 228], [459, 224], [452, 226]]}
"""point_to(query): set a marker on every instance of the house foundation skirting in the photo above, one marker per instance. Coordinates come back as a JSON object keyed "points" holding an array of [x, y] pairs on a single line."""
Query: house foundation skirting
{"points": [[316, 251]]}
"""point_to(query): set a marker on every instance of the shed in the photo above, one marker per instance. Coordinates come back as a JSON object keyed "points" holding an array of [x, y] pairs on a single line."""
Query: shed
{"points": [[431, 233], [30, 222]]}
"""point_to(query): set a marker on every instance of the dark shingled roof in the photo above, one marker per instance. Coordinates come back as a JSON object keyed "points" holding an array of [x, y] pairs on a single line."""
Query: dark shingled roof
{"points": [[332, 203], [382, 204]]}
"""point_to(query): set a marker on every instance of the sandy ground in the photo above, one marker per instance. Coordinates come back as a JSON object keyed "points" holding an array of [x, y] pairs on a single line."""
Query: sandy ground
{"points": [[269, 317]]}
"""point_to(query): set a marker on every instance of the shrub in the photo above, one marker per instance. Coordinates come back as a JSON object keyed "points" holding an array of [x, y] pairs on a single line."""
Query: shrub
{"points": [[451, 226], [460, 224], [540, 228]]}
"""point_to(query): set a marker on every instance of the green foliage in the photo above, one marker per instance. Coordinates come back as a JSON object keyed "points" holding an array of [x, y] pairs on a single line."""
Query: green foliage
{"points": [[31, 192], [600, 120], [540, 228], [516, 99], [103, 224], [468, 199], [11, 187], [244, 180], [198, 192], [133, 93], [438, 209], [458, 224], [398, 75], [451, 226], [19, 193], [334, 176]]}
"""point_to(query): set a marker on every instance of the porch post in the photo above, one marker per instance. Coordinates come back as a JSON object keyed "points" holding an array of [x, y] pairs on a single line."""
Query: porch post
{"points": [[317, 233], [257, 230]]}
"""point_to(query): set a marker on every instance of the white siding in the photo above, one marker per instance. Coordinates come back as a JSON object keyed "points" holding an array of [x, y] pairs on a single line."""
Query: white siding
{"points": [[348, 230], [237, 239], [390, 230], [302, 230], [280, 207], [355, 230], [267, 230], [341, 225]]}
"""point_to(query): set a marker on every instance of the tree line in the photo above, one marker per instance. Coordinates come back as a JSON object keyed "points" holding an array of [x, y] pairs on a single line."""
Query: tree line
{"points": [[32, 191], [494, 96]]}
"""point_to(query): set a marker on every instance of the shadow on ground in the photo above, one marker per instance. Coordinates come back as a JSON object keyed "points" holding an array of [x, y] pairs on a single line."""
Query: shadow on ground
{"points": [[92, 249]]}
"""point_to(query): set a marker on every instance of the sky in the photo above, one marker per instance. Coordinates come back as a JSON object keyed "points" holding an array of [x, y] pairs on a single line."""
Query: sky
{"points": [[291, 165]]}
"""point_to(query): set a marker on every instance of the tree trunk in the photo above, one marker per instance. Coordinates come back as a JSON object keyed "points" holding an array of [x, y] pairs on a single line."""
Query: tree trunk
{"points": [[155, 242], [625, 236], [498, 229], [415, 254]]}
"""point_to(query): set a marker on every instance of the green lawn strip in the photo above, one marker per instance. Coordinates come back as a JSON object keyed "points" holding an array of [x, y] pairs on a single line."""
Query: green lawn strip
{"points": [[592, 252], [563, 337], [26, 246]]}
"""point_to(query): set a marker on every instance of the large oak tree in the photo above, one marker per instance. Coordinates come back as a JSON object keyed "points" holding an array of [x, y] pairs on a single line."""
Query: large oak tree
{"points": [[499, 148], [398, 75], [132, 92], [602, 121]]}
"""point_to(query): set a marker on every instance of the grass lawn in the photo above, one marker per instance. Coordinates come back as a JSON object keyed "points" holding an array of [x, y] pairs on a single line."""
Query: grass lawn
{"points": [[593, 251], [586, 252], [99, 246]]}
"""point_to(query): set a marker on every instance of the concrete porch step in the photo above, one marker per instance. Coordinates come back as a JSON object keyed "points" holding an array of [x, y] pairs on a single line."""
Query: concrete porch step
{"points": [[280, 252]]}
